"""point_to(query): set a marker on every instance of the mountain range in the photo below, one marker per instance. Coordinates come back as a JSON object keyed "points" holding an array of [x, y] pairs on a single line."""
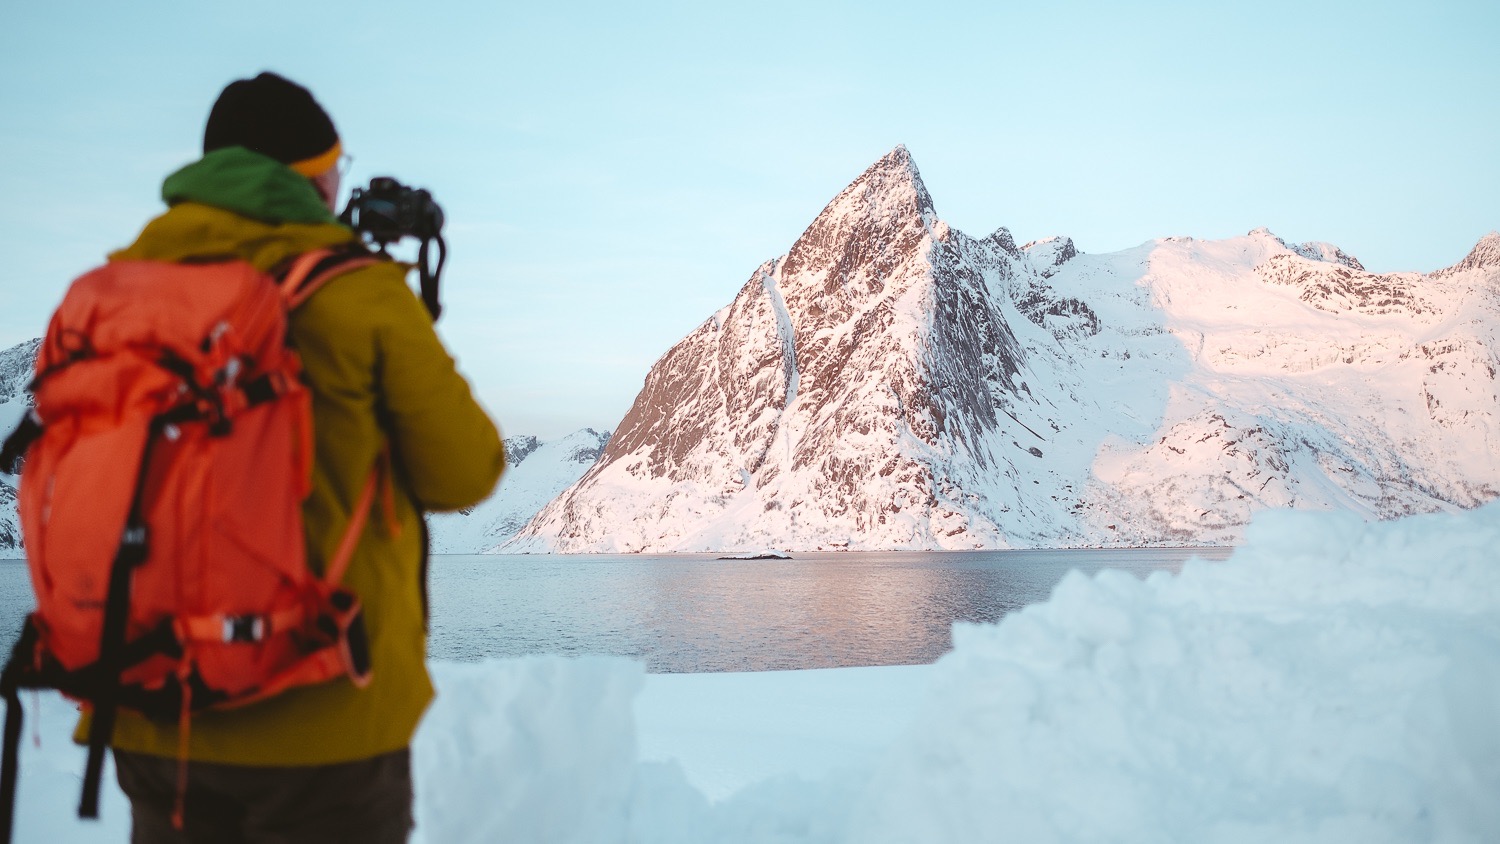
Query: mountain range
{"points": [[893, 383]]}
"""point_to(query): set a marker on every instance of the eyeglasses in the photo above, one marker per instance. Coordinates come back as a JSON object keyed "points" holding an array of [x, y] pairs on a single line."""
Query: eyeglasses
{"points": [[345, 162]]}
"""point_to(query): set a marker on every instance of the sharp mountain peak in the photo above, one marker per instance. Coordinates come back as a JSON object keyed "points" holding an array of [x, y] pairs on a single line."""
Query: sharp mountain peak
{"points": [[880, 216], [893, 182]]}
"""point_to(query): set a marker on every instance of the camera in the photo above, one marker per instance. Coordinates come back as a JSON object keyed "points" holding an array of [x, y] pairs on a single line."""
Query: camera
{"points": [[388, 211]]}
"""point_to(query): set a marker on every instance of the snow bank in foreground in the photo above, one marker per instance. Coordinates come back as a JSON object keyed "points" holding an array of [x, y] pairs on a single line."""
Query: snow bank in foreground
{"points": [[1334, 681], [532, 749]]}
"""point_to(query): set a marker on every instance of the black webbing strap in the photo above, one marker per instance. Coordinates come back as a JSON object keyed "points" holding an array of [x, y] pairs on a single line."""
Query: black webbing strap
{"points": [[8, 764], [111, 641], [10, 684], [422, 574], [132, 552], [26, 670], [333, 260], [428, 276], [93, 680], [260, 390], [27, 432]]}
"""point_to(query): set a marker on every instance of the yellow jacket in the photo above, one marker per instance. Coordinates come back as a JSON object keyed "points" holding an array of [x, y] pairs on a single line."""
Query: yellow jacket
{"points": [[379, 374]]}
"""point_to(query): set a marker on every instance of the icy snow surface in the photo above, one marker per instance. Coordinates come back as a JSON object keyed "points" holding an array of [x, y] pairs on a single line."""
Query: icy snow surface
{"points": [[1334, 681]]}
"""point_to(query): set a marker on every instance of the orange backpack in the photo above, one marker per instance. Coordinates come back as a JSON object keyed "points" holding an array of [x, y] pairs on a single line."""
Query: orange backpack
{"points": [[170, 449]]}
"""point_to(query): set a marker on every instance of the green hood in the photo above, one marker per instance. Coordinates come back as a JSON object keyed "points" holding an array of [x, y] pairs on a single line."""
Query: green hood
{"points": [[249, 184], [235, 203]]}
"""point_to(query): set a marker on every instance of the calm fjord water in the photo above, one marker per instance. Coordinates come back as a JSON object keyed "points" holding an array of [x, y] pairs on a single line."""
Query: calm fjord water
{"points": [[692, 612]]}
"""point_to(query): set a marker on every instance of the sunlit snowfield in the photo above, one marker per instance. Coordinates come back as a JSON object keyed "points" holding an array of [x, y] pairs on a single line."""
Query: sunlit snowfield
{"points": [[1333, 681]]}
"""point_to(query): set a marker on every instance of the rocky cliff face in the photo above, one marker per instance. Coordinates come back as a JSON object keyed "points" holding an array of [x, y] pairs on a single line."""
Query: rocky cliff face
{"points": [[893, 383], [17, 366]]}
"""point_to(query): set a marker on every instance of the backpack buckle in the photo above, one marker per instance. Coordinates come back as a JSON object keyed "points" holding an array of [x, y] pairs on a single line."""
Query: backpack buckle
{"points": [[244, 628]]}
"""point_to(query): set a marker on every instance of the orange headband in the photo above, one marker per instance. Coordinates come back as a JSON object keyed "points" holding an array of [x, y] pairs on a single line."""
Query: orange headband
{"points": [[319, 164]]}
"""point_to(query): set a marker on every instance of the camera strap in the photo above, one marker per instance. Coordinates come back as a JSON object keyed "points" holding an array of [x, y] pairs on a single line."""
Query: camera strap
{"points": [[429, 275]]}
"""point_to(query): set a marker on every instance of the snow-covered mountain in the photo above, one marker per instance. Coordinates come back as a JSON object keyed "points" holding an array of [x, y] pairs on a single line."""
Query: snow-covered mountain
{"points": [[891, 383], [535, 473], [17, 366]]}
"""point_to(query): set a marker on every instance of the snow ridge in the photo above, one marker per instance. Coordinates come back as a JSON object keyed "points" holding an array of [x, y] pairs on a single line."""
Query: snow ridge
{"points": [[1484, 256], [1049, 253], [536, 471]]}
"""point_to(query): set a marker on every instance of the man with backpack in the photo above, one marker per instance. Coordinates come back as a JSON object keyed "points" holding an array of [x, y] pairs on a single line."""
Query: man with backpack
{"points": [[395, 431]]}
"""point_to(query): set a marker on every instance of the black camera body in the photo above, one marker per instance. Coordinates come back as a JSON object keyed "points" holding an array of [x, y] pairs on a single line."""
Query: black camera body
{"points": [[387, 211]]}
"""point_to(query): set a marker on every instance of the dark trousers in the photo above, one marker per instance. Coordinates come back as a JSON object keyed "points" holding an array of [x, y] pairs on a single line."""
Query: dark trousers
{"points": [[368, 801]]}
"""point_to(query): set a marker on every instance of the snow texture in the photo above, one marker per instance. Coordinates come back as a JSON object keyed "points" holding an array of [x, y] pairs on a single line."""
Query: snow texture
{"points": [[1333, 681], [892, 383]]}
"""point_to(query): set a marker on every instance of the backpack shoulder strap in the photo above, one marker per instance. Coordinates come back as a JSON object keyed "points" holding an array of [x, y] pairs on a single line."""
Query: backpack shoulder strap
{"points": [[377, 482], [311, 270], [299, 281]]}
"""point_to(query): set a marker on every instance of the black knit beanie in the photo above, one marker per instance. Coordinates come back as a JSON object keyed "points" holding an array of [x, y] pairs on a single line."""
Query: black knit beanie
{"points": [[274, 116]]}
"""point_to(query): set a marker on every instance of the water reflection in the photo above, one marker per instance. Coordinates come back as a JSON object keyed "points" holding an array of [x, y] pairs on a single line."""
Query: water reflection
{"points": [[685, 613]]}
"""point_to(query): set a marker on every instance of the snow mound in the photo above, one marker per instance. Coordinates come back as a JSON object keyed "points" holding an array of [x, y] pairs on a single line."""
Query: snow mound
{"points": [[531, 749], [1334, 681]]}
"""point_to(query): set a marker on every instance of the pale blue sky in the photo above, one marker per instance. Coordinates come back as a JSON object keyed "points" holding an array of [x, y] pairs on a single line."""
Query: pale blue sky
{"points": [[614, 172]]}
